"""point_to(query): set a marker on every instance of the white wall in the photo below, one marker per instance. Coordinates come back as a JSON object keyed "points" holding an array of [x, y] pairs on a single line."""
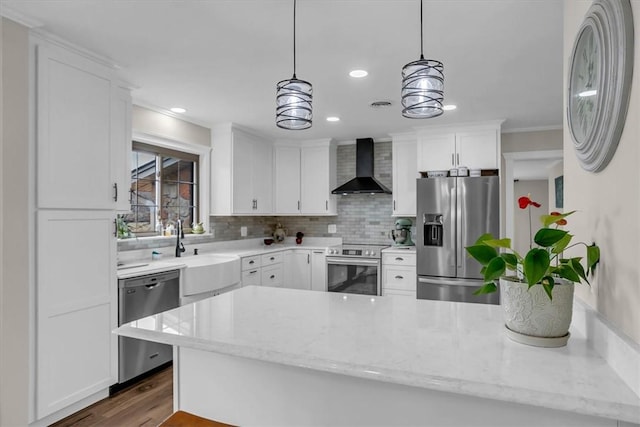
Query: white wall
{"points": [[608, 202], [14, 216], [157, 124]]}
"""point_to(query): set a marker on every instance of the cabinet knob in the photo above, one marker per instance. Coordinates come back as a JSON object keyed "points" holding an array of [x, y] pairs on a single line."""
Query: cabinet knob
{"points": [[252, 262], [272, 277], [272, 258]]}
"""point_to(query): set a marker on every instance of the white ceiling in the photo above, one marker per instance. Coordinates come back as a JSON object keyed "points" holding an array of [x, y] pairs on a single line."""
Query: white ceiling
{"points": [[221, 59]]}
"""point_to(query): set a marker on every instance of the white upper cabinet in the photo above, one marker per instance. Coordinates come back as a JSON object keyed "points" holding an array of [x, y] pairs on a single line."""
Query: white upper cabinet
{"points": [[241, 173], [405, 173], [472, 146], [305, 174], [287, 180], [83, 120]]}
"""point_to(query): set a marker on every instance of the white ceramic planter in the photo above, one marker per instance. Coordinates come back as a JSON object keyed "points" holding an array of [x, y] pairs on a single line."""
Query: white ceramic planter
{"points": [[532, 318]]}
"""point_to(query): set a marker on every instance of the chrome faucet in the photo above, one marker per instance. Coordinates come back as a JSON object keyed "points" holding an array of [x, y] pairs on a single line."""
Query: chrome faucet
{"points": [[179, 235]]}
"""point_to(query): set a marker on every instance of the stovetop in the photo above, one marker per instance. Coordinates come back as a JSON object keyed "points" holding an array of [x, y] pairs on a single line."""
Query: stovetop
{"points": [[357, 250]]}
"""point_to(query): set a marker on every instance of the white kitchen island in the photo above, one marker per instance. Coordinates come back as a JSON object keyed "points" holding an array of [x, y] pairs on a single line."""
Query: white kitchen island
{"points": [[272, 356]]}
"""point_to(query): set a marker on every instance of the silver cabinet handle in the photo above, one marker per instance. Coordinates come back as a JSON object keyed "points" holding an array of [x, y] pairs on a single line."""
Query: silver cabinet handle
{"points": [[253, 272], [298, 204], [326, 205], [457, 158], [272, 258], [399, 259], [252, 262], [399, 277], [272, 277], [115, 192], [453, 163]]}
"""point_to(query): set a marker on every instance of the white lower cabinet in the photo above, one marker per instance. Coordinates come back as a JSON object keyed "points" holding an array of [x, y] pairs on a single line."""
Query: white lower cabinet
{"points": [[297, 269], [318, 271], [399, 272], [76, 307], [265, 270]]}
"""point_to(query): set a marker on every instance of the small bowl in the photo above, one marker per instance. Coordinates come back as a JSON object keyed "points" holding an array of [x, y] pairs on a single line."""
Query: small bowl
{"points": [[268, 241]]}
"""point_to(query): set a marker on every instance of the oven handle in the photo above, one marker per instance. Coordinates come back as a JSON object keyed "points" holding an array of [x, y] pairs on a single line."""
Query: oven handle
{"points": [[352, 261]]}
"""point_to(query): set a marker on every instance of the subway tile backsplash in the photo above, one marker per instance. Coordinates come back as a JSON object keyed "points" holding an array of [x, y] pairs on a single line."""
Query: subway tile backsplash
{"points": [[361, 218]]}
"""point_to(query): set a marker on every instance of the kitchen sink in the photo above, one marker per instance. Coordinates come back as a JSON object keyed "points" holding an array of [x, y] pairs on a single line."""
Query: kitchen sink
{"points": [[209, 272]]}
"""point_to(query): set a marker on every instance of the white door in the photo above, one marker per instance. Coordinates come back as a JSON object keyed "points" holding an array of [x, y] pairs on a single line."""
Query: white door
{"points": [[315, 167], [76, 296], [287, 180], [318, 271], [262, 177], [121, 147], [478, 149], [297, 268], [74, 155], [405, 174], [242, 182], [436, 152]]}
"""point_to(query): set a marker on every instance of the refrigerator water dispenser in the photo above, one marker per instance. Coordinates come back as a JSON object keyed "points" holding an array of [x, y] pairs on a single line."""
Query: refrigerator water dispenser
{"points": [[433, 229]]}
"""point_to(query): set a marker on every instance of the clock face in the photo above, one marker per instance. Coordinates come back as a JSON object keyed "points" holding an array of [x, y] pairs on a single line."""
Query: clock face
{"points": [[584, 84]]}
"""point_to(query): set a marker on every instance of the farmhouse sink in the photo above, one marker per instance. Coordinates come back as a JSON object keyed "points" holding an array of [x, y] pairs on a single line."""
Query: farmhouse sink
{"points": [[209, 272]]}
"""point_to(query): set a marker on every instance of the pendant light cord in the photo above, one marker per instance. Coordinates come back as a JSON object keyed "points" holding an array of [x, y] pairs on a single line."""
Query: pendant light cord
{"points": [[421, 36], [294, 38]]}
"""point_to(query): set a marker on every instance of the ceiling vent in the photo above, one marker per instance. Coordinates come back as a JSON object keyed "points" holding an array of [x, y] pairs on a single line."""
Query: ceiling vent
{"points": [[380, 104]]}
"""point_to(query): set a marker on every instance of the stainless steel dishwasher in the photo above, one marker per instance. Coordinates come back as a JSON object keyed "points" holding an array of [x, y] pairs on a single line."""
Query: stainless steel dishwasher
{"points": [[140, 297]]}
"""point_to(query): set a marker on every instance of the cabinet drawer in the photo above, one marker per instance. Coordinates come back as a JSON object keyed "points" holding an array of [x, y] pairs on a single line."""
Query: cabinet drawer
{"points": [[251, 277], [272, 276], [251, 262], [399, 292], [399, 259], [272, 258], [400, 278]]}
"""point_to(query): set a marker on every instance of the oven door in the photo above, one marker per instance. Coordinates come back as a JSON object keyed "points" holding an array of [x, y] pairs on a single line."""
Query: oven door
{"points": [[353, 275]]}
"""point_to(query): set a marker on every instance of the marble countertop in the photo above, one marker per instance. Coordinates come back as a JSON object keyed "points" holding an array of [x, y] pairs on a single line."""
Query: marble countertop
{"points": [[139, 262], [399, 249], [444, 346]]}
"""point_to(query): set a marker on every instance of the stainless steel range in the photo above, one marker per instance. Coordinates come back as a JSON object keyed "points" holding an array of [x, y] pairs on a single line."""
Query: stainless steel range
{"points": [[354, 269]]}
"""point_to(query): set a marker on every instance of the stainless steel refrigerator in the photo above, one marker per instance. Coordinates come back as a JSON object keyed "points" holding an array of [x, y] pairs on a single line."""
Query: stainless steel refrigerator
{"points": [[452, 213]]}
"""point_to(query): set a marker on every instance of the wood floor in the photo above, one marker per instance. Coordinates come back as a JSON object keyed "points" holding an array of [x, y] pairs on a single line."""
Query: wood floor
{"points": [[146, 403]]}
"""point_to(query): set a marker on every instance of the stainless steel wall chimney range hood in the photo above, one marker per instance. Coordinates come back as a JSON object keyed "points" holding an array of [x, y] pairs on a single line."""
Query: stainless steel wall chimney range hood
{"points": [[364, 182]]}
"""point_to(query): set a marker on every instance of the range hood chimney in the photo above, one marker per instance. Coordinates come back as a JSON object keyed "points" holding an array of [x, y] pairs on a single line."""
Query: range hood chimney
{"points": [[364, 182]]}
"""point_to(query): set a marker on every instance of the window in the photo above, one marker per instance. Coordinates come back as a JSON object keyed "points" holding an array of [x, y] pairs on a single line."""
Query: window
{"points": [[164, 188]]}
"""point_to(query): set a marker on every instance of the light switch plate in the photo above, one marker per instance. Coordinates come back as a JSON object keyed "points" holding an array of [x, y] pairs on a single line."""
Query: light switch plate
{"points": [[243, 231], [332, 228]]}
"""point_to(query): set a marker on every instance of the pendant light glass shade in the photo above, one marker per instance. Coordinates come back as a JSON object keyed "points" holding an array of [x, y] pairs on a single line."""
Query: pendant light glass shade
{"points": [[422, 89], [293, 104], [422, 85], [293, 96]]}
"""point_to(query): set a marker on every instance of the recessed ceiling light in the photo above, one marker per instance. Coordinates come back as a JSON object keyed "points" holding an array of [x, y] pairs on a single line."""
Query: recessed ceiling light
{"points": [[333, 119], [449, 107], [358, 73], [179, 110]]}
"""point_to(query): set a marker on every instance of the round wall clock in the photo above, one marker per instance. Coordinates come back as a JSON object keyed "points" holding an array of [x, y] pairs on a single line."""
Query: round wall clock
{"points": [[600, 82]]}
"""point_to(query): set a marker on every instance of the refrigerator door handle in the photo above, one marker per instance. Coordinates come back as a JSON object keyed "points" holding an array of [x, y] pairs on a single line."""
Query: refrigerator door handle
{"points": [[460, 209]]}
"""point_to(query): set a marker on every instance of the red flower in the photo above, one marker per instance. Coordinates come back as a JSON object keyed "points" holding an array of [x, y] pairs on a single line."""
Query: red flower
{"points": [[561, 221], [525, 202]]}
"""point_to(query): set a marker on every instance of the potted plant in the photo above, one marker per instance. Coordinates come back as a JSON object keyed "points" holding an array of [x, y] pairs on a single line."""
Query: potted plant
{"points": [[537, 289]]}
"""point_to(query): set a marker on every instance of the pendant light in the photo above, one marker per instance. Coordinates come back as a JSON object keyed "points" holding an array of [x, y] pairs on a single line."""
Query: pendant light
{"points": [[422, 85], [293, 96]]}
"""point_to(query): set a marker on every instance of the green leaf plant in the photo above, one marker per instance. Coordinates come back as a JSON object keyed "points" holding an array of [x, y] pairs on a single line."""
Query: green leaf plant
{"points": [[543, 264]]}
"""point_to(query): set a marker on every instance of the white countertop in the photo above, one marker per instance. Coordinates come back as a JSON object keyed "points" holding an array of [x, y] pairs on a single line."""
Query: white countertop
{"points": [[444, 346], [399, 250], [237, 248]]}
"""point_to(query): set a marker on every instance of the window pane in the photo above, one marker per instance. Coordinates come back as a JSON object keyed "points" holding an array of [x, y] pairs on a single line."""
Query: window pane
{"points": [[143, 165], [186, 171], [186, 194]]}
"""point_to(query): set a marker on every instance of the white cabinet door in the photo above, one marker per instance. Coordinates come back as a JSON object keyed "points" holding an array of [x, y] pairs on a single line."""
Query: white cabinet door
{"points": [[436, 152], [287, 180], [405, 173], [262, 178], [318, 271], [242, 192], [121, 147], [478, 149], [76, 296], [297, 269], [74, 160], [318, 167]]}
